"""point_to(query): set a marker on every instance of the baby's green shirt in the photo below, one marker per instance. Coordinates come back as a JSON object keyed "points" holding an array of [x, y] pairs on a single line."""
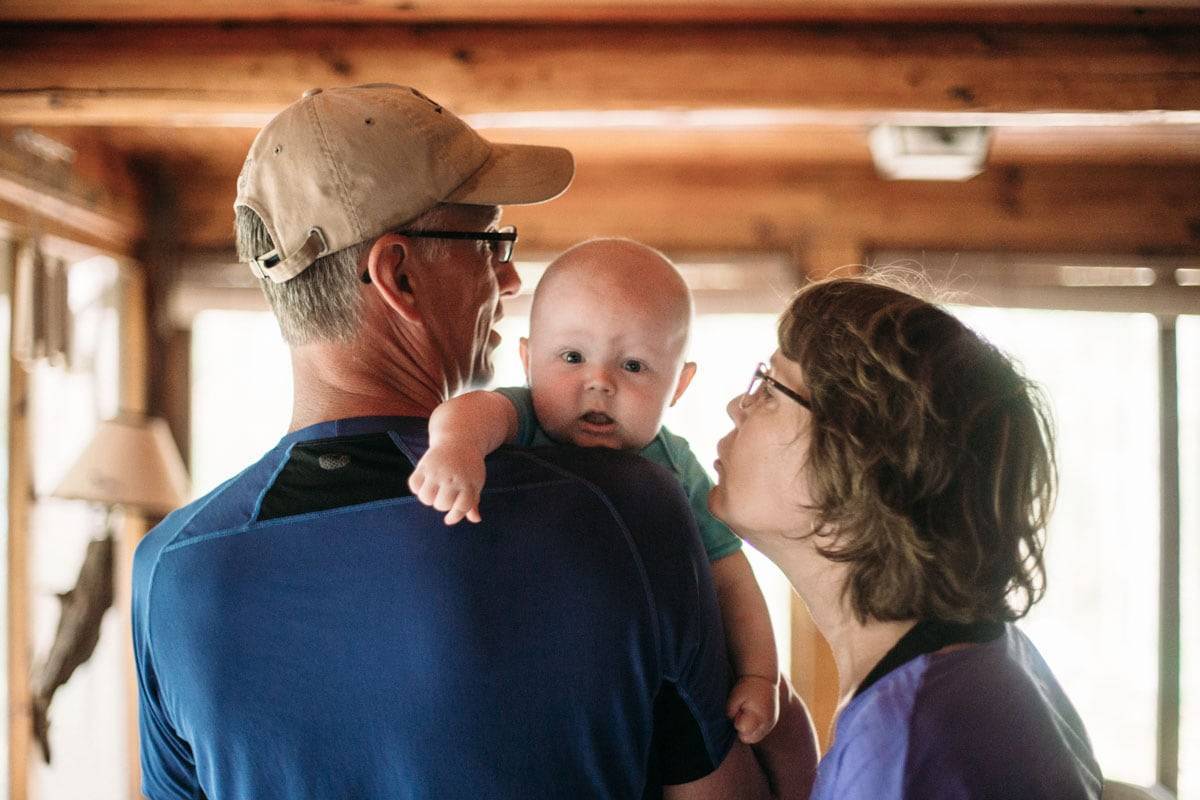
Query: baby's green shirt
{"points": [[666, 449]]}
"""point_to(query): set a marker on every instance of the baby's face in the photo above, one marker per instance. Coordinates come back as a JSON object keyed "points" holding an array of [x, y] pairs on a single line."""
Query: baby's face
{"points": [[602, 368]]}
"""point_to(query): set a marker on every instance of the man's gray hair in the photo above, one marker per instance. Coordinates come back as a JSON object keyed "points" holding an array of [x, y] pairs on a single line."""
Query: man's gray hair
{"points": [[324, 302]]}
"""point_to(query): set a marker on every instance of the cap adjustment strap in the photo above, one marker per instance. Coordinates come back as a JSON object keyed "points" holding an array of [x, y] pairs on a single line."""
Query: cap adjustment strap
{"points": [[272, 265]]}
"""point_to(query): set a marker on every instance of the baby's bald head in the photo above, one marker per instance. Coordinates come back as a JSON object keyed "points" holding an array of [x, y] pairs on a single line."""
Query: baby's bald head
{"points": [[607, 336], [619, 272]]}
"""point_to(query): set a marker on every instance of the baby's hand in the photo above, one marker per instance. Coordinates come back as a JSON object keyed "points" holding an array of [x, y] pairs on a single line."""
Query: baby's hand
{"points": [[754, 707], [449, 477]]}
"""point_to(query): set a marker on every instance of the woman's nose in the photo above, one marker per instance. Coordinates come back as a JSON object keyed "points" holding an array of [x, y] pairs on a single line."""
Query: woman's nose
{"points": [[734, 409]]}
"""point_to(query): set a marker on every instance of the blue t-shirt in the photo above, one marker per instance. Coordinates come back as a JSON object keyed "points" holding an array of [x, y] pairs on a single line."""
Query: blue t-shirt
{"points": [[985, 721], [665, 449], [310, 630]]}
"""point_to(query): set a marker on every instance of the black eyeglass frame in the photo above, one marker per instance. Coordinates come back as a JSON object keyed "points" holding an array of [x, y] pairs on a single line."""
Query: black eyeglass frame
{"points": [[505, 237], [760, 377]]}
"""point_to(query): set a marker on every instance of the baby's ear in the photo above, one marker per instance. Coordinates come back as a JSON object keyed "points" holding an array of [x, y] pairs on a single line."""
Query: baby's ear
{"points": [[685, 378], [524, 350]]}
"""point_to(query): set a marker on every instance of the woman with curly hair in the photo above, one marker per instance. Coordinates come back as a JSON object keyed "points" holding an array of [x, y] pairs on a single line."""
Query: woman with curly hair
{"points": [[900, 471]]}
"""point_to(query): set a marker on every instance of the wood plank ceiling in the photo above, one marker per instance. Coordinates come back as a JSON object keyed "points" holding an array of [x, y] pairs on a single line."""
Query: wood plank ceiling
{"points": [[711, 125]]}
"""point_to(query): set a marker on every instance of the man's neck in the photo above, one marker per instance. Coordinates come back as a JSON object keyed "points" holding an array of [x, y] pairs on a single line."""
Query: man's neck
{"points": [[342, 380]]}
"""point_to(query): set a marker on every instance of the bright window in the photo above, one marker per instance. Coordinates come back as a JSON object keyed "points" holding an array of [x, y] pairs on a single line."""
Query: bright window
{"points": [[241, 393], [1097, 626], [66, 403], [1188, 339]]}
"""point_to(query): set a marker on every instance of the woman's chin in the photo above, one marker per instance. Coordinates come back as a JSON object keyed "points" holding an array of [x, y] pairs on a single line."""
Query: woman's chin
{"points": [[718, 506]]}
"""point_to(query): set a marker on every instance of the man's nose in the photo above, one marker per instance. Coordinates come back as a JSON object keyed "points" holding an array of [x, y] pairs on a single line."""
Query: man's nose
{"points": [[508, 280]]}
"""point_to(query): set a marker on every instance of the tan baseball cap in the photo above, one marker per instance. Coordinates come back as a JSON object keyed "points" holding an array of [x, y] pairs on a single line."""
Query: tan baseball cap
{"points": [[342, 165]]}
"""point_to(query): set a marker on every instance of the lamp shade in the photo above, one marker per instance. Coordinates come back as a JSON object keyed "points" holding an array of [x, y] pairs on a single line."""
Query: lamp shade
{"points": [[131, 461]]}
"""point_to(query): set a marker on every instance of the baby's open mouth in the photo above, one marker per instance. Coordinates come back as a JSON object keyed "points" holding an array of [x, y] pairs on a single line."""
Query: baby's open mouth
{"points": [[597, 418]]}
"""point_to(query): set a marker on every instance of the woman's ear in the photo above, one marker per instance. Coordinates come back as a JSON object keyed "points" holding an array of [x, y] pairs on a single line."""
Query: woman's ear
{"points": [[685, 379], [388, 263]]}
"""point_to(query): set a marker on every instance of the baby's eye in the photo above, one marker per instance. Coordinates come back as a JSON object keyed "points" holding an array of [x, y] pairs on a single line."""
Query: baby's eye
{"points": [[633, 365], [572, 356]]}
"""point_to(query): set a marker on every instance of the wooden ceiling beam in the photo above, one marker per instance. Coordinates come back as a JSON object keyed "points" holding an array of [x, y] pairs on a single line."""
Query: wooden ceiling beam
{"points": [[745, 206], [86, 196], [766, 208], [240, 75], [1094, 12], [201, 150]]}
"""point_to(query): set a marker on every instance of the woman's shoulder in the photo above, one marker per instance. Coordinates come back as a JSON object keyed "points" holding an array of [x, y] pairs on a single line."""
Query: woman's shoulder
{"points": [[990, 714], [976, 717]]}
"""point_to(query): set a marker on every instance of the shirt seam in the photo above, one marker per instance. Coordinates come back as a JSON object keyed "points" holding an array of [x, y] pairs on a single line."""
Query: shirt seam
{"points": [[666, 446], [404, 449], [724, 552], [727, 740], [257, 525], [147, 648], [262, 496], [652, 607]]}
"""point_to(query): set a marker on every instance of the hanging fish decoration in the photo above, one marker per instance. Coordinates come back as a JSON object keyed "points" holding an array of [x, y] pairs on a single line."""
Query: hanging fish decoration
{"points": [[78, 632]]}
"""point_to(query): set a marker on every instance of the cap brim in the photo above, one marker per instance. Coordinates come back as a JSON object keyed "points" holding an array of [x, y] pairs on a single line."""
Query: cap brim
{"points": [[517, 174]]}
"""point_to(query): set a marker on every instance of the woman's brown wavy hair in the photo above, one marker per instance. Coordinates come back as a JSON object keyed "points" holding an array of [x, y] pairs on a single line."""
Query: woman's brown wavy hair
{"points": [[931, 462]]}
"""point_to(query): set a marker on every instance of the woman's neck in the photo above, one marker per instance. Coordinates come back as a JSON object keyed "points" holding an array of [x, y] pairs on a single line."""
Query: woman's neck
{"points": [[857, 646]]}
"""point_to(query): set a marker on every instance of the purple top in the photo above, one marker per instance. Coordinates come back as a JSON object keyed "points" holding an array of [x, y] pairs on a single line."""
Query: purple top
{"points": [[985, 721]]}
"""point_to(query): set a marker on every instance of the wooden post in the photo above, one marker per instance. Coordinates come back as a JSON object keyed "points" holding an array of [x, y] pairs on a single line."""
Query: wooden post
{"points": [[813, 672], [20, 485], [134, 370]]}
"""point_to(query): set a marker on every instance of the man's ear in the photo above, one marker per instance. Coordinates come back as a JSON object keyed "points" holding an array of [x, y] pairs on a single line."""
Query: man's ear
{"points": [[388, 264], [685, 379], [524, 350]]}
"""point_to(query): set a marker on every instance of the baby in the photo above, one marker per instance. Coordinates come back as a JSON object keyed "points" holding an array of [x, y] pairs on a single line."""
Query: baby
{"points": [[604, 359]]}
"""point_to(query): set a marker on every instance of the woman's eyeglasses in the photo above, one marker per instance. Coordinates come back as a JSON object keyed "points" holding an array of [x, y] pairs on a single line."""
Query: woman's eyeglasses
{"points": [[501, 241], [756, 383]]}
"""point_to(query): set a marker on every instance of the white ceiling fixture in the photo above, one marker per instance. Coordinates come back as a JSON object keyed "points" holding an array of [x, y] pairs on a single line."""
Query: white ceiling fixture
{"points": [[929, 152]]}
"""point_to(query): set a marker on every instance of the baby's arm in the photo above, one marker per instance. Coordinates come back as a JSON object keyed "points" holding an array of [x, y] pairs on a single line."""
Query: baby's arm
{"points": [[462, 432], [754, 701]]}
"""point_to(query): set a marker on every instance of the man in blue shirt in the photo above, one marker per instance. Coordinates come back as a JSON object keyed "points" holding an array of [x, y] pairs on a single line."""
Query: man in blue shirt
{"points": [[309, 630]]}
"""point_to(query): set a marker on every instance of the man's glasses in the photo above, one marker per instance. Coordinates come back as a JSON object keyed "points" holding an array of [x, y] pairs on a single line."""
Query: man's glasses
{"points": [[501, 241], [756, 383]]}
